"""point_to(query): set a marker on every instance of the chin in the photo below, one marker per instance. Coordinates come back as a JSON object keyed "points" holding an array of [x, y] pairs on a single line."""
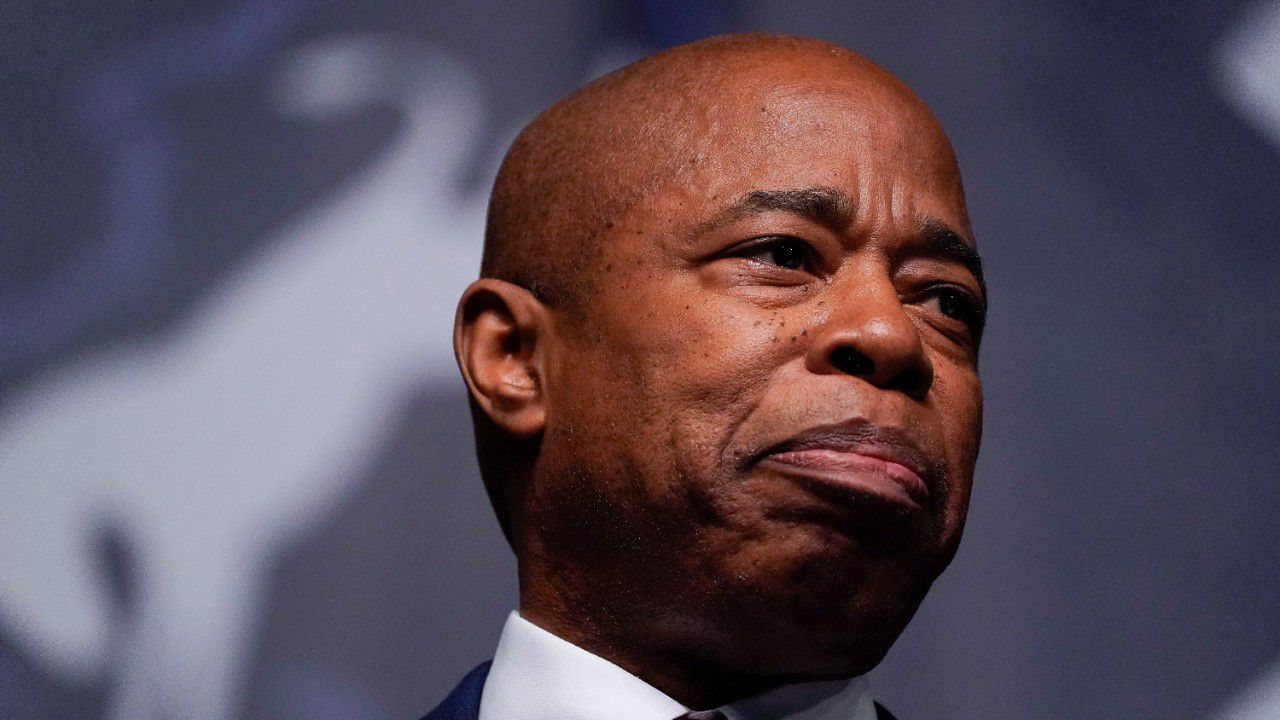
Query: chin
{"points": [[833, 650], [836, 614]]}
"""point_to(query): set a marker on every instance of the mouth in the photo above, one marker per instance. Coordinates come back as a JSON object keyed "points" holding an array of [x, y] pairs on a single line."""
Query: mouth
{"points": [[857, 458]]}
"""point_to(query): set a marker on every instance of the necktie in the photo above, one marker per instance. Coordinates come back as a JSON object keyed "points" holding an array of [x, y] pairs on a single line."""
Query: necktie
{"points": [[703, 715]]}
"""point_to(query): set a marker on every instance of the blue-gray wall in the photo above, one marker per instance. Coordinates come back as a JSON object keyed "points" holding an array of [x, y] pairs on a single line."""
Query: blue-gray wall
{"points": [[236, 476]]}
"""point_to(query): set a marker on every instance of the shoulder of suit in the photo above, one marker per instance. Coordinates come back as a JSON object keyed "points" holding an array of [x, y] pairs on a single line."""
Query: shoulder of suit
{"points": [[464, 702]]}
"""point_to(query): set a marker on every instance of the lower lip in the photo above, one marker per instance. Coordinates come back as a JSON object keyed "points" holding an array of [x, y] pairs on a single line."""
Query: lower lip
{"points": [[858, 472]]}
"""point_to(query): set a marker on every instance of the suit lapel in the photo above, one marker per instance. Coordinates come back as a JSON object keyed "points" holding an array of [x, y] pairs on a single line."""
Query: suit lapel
{"points": [[464, 702]]}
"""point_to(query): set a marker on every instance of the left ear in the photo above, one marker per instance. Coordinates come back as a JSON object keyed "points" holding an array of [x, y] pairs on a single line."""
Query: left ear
{"points": [[497, 338]]}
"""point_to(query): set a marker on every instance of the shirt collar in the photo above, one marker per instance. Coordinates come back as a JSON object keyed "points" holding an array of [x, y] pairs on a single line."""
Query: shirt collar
{"points": [[835, 700], [539, 676]]}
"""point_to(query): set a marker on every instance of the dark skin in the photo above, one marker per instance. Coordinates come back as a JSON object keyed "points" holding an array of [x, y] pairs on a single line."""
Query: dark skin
{"points": [[746, 432]]}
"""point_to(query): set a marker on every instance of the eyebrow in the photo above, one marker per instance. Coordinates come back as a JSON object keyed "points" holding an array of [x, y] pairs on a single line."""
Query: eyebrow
{"points": [[821, 205], [938, 240]]}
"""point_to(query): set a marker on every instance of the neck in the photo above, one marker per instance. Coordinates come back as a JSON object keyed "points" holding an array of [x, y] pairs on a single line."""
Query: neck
{"points": [[673, 660]]}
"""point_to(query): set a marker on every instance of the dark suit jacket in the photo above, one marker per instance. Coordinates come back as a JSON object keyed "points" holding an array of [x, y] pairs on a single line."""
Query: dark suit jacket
{"points": [[464, 702]]}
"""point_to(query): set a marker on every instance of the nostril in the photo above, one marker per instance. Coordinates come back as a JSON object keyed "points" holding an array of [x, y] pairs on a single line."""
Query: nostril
{"points": [[851, 362]]}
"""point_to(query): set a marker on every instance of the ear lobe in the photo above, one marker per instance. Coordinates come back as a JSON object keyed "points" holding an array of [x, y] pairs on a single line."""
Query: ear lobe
{"points": [[497, 334]]}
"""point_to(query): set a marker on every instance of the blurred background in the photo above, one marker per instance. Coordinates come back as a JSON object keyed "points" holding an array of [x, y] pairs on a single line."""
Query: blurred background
{"points": [[236, 471]]}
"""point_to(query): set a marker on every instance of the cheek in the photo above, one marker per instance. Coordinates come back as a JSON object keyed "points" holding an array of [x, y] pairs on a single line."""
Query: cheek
{"points": [[959, 402], [682, 339], [714, 368], [696, 366]]}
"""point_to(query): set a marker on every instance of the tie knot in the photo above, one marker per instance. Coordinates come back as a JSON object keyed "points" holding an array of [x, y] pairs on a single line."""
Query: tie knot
{"points": [[703, 715]]}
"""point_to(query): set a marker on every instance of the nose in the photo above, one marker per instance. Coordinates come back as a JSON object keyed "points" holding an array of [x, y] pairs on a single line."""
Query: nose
{"points": [[868, 334]]}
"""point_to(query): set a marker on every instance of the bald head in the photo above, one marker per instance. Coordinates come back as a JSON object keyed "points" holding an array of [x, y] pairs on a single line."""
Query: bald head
{"points": [[723, 364], [585, 161]]}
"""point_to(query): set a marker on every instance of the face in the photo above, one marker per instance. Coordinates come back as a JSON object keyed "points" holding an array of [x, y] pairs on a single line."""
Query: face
{"points": [[762, 428]]}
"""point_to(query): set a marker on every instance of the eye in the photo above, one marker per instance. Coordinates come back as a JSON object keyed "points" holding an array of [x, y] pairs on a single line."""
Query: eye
{"points": [[780, 250], [956, 304]]}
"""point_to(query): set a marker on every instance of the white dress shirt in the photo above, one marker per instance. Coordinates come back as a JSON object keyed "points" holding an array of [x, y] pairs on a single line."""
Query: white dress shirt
{"points": [[538, 676]]}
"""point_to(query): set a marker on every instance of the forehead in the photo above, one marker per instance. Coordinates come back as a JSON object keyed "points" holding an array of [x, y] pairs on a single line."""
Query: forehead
{"points": [[871, 138]]}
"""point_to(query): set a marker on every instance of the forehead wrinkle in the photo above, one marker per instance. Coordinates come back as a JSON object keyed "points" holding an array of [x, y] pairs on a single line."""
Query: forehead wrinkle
{"points": [[898, 200]]}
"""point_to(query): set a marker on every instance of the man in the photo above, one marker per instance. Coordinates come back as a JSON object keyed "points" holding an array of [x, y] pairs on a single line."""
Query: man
{"points": [[723, 366]]}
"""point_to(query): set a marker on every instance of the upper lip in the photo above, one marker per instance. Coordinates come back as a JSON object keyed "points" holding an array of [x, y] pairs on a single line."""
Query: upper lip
{"points": [[862, 437]]}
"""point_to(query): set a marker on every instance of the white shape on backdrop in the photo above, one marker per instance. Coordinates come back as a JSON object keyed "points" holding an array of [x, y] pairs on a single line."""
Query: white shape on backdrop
{"points": [[211, 446], [1249, 69], [1260, 700]]}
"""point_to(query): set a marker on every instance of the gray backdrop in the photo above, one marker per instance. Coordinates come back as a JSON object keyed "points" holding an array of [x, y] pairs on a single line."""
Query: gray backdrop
{"points": [[236, 474]]}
